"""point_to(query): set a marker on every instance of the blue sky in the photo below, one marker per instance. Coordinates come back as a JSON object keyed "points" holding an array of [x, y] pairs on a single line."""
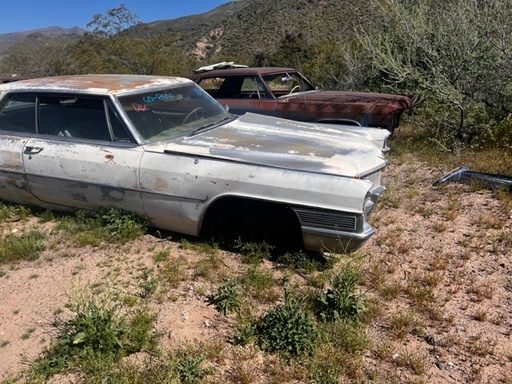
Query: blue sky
{"points": [[24, 15]]}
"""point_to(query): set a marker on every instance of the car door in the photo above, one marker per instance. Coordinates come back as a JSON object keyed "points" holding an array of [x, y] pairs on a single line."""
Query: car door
{"points": [[80, 158], [17, 124]]}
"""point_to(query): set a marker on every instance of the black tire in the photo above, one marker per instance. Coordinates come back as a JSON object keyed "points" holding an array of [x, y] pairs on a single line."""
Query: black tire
{"points": [[272, 228]]}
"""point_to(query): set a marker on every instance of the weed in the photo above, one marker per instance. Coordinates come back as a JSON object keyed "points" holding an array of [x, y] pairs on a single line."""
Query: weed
{"points": [[306, 262], [187, 366], [480, 314], [287, 328], [340, 301], [162, 255], [416, 362], [113, 225], [173, 272], [96, 332], [246, 333], [206, 266], [253, 253], [10, 211], [4, 343], [346, 336], [147, 284], [261, 283], [27, 333], [227, 298], [401, 324], [26, 246]]}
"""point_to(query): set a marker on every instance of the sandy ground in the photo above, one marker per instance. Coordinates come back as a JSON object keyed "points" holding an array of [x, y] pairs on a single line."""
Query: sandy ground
{"points": [[456, 240]]}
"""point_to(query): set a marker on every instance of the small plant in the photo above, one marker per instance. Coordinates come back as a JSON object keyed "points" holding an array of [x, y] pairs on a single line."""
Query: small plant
{"points": [[340, 301], [147, 284], [227, 298], [287, 328], [27, 333], [187, 366], [260, 283], [26, 246], [97, 332], [253, 253], [122, 226]]}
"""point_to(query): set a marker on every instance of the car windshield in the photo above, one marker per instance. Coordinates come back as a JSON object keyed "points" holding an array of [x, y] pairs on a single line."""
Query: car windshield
{"points": [[286, 83], [162, 114]]}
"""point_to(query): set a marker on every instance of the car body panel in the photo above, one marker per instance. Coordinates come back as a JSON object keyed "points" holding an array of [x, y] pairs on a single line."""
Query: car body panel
{"points": [[230, 86], [13, 183], [164, 149], [84, 175]]}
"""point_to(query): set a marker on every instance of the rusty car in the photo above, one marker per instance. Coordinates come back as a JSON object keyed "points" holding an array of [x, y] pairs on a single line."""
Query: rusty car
{"points": [[162, 148], [286, 93]]}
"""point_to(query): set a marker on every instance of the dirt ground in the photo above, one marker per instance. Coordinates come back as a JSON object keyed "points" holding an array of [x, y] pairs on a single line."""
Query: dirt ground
{"points": [[456, 240]]}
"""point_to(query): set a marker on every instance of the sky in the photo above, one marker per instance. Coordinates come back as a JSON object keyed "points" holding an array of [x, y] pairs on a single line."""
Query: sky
{"points": [[32, 14]]}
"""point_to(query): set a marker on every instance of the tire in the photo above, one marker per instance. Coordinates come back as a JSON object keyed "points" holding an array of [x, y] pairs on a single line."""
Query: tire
{"points": [[272, 228]]}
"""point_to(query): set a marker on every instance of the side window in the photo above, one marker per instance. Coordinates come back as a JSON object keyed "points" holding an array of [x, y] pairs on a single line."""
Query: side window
{"points": [[17, 114], [79, 117], [252, 88]]}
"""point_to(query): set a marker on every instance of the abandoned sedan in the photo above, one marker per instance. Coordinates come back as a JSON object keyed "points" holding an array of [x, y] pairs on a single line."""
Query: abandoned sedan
{"points": [[164, 149], [286, 93]]}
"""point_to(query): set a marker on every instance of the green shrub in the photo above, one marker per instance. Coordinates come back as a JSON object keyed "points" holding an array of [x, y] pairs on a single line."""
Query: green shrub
{"points": [[287, 328], [227, 298], [340, 301], [96, 335]]}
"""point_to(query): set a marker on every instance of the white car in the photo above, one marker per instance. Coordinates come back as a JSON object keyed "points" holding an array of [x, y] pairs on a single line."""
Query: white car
{"points": [[161, 147]]}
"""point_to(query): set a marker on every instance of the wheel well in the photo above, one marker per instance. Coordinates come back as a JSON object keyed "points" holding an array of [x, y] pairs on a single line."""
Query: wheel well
{"points": [[225, 216]]}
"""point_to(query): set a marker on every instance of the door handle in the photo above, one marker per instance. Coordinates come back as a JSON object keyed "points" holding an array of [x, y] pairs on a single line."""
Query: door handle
{"points": [[32, 150]]}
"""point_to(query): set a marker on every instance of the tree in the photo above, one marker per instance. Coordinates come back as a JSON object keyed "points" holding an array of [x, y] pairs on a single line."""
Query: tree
{"points": [[455, 55], [115, 21], [111, 48]]}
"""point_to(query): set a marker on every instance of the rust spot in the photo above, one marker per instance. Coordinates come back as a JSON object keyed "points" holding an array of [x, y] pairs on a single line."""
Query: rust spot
{"points": [[160, 184], [109, 157]]}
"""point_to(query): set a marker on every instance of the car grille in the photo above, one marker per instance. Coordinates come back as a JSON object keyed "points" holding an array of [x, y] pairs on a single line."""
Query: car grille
{"points": [[327, 220]]}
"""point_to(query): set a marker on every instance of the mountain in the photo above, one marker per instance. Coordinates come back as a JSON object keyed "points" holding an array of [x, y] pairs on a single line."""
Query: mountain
{"points": [[243, 27], [250, 26], [53, 33]]}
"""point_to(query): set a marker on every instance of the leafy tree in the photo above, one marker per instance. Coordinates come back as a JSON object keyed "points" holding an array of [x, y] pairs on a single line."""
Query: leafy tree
{"points": [[454, 55], [113, 22]]}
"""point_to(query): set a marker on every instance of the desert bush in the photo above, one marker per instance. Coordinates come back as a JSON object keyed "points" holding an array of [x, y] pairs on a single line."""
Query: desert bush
{"points": [[288, 328]]}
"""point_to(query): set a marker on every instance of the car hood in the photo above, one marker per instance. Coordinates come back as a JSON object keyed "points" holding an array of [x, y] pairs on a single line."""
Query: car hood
{"points": [[399, 101], [263, 140]]}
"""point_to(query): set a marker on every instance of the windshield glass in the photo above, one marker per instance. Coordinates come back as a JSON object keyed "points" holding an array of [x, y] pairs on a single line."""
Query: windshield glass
{"points": [[162, 114], [286, 83]]}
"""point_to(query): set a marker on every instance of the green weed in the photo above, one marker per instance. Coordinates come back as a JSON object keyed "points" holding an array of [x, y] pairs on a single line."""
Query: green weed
{"points": [[26, 246], [287, 328], [227, 297]]}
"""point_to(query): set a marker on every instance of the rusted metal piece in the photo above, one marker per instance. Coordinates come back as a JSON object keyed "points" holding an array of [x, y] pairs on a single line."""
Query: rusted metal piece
{"points": [[488, 180], [302, 102]]}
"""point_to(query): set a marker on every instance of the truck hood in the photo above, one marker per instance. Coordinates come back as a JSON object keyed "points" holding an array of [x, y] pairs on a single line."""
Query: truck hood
{"points": [[267, 141]]}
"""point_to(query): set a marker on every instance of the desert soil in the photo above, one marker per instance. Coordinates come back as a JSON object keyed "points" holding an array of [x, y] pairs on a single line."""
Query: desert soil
{"points": [[456, 240]]}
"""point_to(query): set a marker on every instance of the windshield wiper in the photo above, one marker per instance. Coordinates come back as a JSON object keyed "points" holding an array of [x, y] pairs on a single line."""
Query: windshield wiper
{"points": [[209, 126]]}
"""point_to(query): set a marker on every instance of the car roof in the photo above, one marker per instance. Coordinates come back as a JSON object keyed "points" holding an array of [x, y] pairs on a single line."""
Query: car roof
{"points": [[94, 84], [242, 71]]}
